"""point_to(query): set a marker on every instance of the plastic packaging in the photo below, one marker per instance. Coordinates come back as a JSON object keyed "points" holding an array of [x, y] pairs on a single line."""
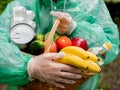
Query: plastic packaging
{"points": [[18, 20], [22, 15], [18, 15], [19, 11], [100, 51], [30, 15]]}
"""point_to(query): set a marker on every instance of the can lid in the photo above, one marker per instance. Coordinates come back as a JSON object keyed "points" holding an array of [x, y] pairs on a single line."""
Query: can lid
{"points": [[107, 45], [22, 33]]}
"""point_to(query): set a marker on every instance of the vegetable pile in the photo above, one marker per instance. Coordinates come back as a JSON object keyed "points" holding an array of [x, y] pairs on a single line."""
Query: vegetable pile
{"points": [[36, 47], [75, 49]]}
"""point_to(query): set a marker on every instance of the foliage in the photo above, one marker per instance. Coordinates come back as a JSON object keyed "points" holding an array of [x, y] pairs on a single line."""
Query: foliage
{"points": [[3, 4]]}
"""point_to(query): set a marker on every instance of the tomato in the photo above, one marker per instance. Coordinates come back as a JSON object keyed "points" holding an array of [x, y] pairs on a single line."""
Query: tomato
{"points": [[63, 41], [53, 48]]}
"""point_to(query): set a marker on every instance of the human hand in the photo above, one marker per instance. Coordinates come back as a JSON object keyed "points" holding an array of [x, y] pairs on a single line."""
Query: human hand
{"points": [[45, 69], [67, 24]]}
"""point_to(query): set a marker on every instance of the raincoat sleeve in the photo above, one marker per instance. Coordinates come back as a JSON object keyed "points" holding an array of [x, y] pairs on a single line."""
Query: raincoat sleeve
{"points": [[94, 24], [12, 62]]}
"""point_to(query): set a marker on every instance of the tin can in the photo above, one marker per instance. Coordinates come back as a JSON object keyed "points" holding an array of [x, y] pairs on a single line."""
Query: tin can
{"points": [[22, 34]]}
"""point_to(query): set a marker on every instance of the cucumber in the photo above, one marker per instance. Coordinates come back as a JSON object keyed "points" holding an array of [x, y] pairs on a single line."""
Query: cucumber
{"points": [[36, 47]]}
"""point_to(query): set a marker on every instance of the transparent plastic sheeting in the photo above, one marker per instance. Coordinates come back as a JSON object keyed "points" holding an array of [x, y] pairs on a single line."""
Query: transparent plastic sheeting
{"points": [[93, 24]]}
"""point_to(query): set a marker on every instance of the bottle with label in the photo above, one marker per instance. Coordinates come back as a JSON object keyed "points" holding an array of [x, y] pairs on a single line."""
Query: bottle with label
{"points": [[100, 51]]}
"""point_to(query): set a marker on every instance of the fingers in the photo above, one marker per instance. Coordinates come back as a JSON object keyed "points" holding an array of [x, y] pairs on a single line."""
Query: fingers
{"points": [[58, 82], [65, 20], [53, 55], [61, 15], [57, 14], [64, 80], [61, 31], [69, 72], [71, 69], [70, 75], [64, 26]]}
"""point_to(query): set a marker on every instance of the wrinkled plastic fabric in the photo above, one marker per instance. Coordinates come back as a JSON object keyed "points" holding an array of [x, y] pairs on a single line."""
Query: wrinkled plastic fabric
{"points": [[93, 24], [12, 62]]}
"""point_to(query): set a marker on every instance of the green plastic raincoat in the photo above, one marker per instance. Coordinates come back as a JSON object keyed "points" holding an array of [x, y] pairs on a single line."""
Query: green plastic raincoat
{"points": [[93, 24]]}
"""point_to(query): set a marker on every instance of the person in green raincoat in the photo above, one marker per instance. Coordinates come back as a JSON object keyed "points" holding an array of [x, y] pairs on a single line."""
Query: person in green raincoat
{"points": [[89, 19]]}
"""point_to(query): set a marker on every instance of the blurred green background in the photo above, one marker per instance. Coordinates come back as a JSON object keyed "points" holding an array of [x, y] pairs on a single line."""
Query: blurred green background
{"points": [[110, 75], [3, 4]]}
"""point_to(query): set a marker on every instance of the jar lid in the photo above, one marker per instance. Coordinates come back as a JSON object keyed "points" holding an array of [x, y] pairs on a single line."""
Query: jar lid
{"points": [[22, 33]]}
